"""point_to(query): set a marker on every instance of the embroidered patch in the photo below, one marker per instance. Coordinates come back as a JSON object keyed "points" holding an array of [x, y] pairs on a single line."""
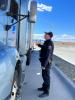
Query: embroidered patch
{"points": [[49, 47]]}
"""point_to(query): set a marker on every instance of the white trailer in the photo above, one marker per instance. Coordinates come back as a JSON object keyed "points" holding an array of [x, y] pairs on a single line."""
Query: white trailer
{"points": [[16, 21]]}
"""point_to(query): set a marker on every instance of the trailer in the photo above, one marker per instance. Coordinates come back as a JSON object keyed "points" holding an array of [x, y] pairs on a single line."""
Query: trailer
{"points": [[17, 18]]}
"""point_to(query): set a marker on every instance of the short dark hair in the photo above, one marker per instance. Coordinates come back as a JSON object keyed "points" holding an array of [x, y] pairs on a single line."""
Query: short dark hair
{"points": [[49, 33]]}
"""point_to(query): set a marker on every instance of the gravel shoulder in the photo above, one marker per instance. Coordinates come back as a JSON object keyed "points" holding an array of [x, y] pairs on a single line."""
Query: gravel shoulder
{"points": [[66, 67]]}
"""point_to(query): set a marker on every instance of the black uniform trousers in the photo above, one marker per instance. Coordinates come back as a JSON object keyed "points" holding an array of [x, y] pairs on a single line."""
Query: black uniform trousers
{"points": [[46, 78]]}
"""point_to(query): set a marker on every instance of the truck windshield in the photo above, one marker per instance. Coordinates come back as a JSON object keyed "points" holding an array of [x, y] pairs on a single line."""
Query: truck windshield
{"points": [[3, 21]]}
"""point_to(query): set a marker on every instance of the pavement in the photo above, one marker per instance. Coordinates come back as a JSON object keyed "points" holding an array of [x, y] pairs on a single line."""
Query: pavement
{"points": [[33, 80]]}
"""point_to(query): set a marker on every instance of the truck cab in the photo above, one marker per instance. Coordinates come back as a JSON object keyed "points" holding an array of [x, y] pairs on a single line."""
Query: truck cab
{"points": [[16, 22]]}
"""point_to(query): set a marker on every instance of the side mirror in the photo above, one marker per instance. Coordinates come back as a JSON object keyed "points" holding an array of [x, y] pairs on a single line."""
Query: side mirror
{"points": [[3, 4], [33, 11]]}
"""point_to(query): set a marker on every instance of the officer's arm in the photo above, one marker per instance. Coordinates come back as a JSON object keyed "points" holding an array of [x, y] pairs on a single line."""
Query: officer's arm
{"points": [[48, 56], [39, 45]]}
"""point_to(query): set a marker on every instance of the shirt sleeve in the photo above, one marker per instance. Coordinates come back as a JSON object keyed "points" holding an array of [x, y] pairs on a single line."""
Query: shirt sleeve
{"points": [[39, 45]]}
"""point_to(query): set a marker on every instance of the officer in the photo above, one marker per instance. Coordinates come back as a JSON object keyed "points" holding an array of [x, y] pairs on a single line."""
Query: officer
{"points": [[46, 55]]}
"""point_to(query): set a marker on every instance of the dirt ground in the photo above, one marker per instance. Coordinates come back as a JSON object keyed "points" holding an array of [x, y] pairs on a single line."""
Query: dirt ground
{"points": [[66, 51], [64, 58]]}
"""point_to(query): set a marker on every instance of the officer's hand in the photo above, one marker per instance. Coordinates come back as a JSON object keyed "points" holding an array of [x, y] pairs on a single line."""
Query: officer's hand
{"points": [[37, 44], [43, 68]]}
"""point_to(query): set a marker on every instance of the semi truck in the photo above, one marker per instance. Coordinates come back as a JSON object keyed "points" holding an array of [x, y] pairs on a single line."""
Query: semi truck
{"points": [[17, 18]]}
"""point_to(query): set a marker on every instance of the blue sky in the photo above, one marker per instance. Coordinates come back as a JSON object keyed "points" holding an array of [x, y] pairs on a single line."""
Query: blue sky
{"points": [[60, 20]]}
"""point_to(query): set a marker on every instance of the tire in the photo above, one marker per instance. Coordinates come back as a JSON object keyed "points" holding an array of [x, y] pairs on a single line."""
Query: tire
{"points": [[14, 86]]}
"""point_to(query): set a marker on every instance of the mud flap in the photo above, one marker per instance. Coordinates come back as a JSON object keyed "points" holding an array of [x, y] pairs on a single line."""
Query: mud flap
{"points": [[28, 57]]}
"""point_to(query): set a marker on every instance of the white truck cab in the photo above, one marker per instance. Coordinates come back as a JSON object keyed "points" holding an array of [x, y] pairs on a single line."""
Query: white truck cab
{"points": [[16, 21]]}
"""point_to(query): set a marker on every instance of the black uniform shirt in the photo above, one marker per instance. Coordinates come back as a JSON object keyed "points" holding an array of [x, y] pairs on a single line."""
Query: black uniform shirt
{"points": [[46, 53]]}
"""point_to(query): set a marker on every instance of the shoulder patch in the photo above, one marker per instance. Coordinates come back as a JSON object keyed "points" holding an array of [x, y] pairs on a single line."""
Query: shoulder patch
{"points": [[49, 47]]}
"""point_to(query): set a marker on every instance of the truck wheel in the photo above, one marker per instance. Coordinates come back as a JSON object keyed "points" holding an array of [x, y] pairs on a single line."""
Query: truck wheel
{"points": [[14, 86]]}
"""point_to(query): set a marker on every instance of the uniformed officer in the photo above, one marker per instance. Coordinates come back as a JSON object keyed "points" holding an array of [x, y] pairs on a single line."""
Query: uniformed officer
{"points": [[46, 55]]}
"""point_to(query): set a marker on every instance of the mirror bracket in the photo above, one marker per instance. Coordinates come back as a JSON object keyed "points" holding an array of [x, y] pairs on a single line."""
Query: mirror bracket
{"points": [[11, 14], [8, 27]]}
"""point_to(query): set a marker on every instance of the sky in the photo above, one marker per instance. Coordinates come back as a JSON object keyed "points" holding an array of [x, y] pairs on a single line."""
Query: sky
{"points": [[57, 16]]}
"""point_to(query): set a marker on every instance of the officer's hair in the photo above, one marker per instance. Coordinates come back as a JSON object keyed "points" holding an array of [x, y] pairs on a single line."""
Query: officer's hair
{"points": [[49, 33]]}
